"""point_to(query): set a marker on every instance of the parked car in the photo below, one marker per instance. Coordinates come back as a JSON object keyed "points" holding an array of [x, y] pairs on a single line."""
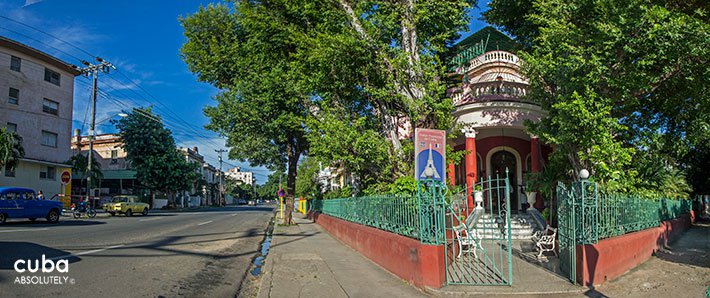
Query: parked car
{"points": [[242, 202], [19, 202], [127, 205], [252, 202]]}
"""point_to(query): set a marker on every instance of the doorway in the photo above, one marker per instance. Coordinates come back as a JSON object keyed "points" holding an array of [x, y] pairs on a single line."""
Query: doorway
{"points": [[500, 161]]}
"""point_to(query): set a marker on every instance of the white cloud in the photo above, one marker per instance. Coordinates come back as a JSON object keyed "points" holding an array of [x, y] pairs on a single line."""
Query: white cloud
{"points": [[30, 2], [63, 39]]}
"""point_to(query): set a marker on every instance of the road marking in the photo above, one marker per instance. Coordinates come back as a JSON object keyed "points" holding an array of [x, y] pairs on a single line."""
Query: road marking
{"points": [[235, 214], [204, 223], [149, 219], [86, 252], [23, 230]]}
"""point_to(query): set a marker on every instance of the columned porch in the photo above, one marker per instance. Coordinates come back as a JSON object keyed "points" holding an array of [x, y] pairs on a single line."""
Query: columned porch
{"points": [[492, 150]]}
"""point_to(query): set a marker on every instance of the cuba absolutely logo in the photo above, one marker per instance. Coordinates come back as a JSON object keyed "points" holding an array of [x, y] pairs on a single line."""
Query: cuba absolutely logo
{"points": [[44, 266]]}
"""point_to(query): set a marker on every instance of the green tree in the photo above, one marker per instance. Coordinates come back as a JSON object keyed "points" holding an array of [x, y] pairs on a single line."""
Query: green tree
{"points": [[259, 110], [79, 164], [615, 77], [150, 148], [307, 185], [269, 189], [287, 66], [11, 149]]}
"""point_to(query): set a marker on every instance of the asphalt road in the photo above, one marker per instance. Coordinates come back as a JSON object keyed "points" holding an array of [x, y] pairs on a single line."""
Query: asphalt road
{"points": [[203, 253]]}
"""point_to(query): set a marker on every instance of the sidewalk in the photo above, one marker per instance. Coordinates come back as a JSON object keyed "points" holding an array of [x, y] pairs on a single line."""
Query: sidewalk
{"points": [[305, 261], [680, 270]]}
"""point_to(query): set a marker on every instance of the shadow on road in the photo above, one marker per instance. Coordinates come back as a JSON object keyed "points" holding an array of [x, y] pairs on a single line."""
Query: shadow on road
{"points": [[13, 251], [188, 245], [693, 248], [265, 208], [42, 224]]}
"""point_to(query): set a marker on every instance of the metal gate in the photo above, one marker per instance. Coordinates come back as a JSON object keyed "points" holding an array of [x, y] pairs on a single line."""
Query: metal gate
{"points": [[576, 219], [565, 224], [477, 230]]}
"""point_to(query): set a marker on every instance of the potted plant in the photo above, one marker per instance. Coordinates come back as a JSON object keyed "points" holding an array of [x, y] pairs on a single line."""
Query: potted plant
{"points": [[532, 185]]}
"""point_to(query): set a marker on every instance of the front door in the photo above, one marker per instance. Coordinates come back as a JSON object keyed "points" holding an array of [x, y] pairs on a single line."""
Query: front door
{"points": [[500, 162]]}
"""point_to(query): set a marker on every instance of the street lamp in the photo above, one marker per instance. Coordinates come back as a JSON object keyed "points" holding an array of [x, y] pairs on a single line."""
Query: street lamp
{"points": [[584, 174], [92, 134]]}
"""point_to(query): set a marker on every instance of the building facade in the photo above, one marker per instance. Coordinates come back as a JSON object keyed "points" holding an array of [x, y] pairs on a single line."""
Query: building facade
{"points": [[118, 176], [336, 178], [37, 104], [207, 185], [236, 174], [488, 104]]}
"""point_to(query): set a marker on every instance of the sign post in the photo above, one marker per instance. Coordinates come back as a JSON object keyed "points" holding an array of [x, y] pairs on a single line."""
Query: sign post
{"points": [[430, 154], [281, 194], [65, 177]]}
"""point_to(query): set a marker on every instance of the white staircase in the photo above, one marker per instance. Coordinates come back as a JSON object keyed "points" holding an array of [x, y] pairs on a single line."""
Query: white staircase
{"points": [[522, 226]]}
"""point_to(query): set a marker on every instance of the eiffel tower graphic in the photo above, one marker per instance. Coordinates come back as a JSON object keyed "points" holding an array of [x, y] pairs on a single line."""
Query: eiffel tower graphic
{"points": [[430, 169]]}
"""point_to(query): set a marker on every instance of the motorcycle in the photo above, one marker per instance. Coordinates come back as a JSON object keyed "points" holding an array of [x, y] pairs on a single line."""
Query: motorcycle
{"points": [[77, 211]]}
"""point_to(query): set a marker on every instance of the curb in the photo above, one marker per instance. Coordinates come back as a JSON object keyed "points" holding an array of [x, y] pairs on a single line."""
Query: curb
{"points": [[440, 293]]}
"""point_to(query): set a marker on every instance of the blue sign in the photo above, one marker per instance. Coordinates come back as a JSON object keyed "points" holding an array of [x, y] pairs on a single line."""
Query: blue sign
{"points": [[281, 193], [430, 154]]}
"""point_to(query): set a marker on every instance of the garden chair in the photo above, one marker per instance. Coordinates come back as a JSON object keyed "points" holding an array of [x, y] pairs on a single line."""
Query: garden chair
{"points": [[544, 241]]}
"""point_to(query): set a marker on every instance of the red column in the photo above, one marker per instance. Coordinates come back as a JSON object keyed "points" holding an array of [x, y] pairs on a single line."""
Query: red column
{"points": [[535, 166], [452, 174], [471, 175]]}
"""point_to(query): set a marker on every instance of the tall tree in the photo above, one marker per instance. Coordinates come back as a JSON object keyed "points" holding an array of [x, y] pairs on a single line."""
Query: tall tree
{"points": [[615, 76], [260, 110], [286, 66], [150, 148], [11, 149]]}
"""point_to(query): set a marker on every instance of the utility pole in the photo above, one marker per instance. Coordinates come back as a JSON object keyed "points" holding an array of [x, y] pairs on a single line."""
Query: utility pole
{"points": [[221, 174], [93, 70]]}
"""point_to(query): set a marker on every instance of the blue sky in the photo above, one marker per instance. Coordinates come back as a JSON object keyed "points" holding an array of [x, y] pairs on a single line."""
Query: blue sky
{"points": [[143, 39]]}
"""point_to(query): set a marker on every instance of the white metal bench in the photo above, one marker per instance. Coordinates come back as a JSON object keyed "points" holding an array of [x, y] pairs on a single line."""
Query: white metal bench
{"points": [[467, 238], [545, 240]]}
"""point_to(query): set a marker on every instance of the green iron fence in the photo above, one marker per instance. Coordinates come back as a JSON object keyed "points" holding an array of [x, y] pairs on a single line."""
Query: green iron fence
{"points": [[587, 215], [599, 215], [620, 214], [419, 216]]}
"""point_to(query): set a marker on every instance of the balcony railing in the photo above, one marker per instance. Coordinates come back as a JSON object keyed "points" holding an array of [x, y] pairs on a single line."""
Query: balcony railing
{"points": [[490, 57], [489, 91]]}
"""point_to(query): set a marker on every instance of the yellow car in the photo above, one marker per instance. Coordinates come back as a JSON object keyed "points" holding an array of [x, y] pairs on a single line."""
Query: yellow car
{"points": [[126, 205]]}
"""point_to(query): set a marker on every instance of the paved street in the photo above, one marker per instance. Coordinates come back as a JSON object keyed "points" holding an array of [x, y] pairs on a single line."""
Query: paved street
{"points": [[202, 253]]}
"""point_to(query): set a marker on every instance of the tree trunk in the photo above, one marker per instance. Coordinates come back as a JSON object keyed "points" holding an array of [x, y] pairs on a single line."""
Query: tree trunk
{"points": [[152, 199], [293, 156]]}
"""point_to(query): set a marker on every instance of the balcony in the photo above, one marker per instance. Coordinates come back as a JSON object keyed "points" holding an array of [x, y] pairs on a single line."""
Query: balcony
{"points": [[492, 57], [488, 91]]}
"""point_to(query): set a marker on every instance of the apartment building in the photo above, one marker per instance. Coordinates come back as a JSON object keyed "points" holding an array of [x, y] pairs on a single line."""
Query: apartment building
{"points": [[38, 94], [240, 176]]}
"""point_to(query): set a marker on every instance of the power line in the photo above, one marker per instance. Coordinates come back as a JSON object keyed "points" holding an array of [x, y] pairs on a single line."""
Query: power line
{"points": [[50, 35], [177, 121]]}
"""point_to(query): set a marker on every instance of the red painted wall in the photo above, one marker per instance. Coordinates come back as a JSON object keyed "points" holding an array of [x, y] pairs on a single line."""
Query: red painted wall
{"points": [[612, 257], [417, 263]]}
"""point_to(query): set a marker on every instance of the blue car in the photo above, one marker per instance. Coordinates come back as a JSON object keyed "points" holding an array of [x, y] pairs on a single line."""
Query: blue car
{"points": [[18, 202]]}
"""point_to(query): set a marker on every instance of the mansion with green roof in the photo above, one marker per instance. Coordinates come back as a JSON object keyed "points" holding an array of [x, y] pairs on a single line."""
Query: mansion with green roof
{"points": [[487, 100]]}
